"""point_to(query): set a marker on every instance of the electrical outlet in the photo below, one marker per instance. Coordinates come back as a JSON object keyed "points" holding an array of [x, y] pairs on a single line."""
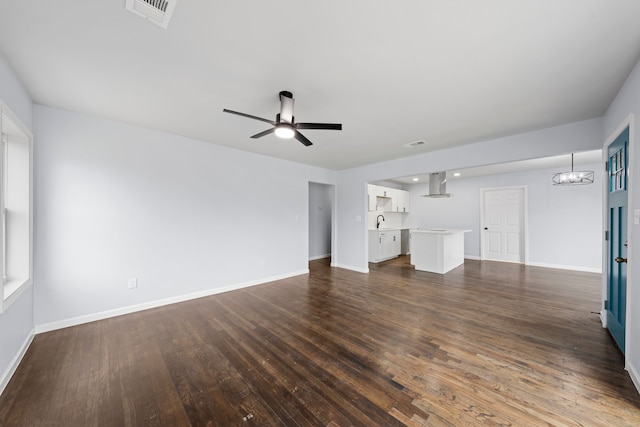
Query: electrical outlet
{"points": [[133, 283]]}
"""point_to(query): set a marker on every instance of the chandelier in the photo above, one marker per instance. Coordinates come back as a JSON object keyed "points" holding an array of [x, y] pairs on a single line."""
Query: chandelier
{"points": [[573, 177]]}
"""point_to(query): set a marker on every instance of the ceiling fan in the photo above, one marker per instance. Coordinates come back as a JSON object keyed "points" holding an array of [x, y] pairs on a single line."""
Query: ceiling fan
{"points": [[284, 126]]}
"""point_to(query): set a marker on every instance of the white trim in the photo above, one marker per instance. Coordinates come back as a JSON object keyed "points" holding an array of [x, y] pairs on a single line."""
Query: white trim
{"points": [[566, 267], [351, 267], [627, 122], [477, 258], [630, 282], [79, 320], [313, 258], [365, 229], [524, 258], [5, 302], [15, 362], [633, 373]]}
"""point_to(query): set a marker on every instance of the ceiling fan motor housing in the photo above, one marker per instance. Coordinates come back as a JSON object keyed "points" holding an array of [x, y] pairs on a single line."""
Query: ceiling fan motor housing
{"points": [[286, 107]]}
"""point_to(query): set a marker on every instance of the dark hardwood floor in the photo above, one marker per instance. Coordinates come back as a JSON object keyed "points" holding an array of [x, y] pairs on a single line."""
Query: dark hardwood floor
{"points": [[487, 344]]}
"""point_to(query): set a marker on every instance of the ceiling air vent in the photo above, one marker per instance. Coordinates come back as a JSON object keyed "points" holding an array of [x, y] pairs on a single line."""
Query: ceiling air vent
{"points": [[157, 11], [414, 144]]}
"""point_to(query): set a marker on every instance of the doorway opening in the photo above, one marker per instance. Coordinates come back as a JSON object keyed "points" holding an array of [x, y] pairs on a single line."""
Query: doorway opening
{"points": [[321, 220]]}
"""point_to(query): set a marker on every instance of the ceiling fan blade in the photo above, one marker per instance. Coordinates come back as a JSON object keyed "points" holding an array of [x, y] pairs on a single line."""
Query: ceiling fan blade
{"points": [[327, 126], [249, 116], [261, 134], [300, 137]]}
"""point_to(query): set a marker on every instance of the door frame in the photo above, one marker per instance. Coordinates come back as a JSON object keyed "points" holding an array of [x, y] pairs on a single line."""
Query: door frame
{"points": [[627, 122], [333, 256], [525, 221]]}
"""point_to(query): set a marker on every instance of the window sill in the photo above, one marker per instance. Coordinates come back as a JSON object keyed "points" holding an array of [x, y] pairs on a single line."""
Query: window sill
{"points": [[12, 291]]}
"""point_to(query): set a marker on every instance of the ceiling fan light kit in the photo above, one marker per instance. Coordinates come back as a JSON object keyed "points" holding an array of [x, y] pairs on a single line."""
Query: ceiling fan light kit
{"points": [[284, 131], [284, 125], [573, 177]]}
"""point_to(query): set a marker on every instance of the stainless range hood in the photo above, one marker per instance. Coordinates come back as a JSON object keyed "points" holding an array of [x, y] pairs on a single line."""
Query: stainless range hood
{"points": [[438, 185]]}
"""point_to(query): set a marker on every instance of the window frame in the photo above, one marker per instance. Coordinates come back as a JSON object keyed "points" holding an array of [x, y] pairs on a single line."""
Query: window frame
{"points": [[10, 291]]}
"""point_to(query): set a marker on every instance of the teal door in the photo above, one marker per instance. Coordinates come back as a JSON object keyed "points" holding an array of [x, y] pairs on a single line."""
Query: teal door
{"points": [[616, 304]]}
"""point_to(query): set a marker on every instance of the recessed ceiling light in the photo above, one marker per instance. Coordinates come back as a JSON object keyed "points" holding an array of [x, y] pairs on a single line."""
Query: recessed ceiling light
{"points": [[416, 179], [456, 174]]}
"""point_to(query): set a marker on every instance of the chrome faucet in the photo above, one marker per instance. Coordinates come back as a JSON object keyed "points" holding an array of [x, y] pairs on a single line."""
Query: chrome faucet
{"points": [[378, 219]]}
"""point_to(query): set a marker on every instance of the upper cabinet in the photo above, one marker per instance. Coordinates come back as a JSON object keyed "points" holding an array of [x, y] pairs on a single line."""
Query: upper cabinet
{"points": [[387, 199], [373, 198], [402, 201]]}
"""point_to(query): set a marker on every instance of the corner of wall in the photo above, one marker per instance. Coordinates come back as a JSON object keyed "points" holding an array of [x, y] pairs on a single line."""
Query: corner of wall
{"points": [[13, 365]]}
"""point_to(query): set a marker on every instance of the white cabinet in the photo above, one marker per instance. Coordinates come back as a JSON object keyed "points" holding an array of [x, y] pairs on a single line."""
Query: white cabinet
{"points": [[388, 199], [383, 191], [373, 197], [383, 245], [391, 206], [437, 250], [402, 201], [396, 243]]}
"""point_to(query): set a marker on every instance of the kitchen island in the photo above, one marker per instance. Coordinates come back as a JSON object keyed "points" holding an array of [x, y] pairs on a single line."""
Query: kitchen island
{"points": [[437, 250]]}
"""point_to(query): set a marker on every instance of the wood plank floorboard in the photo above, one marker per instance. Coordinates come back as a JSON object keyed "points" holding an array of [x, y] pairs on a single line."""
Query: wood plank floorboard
{"points": [[488, 344]]}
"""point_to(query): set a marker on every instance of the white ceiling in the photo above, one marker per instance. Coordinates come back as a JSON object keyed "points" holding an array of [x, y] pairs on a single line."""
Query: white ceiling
{"points": [[446, 72], [559, 163]]}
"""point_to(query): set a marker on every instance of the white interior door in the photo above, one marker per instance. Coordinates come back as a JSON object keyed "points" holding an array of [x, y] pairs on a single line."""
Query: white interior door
{"points": [[503, 224]]}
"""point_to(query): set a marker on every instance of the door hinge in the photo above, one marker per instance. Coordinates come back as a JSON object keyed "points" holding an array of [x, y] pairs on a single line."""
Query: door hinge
{"points": [[606, 166], [606, 304], [606, 235]]}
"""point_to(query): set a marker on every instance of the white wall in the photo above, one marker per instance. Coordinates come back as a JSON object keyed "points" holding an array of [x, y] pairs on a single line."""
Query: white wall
{"points": [[320, 213], [628, 102], [16, 323], [15, 95], [184, 217], [352, 183], [390, 220], [565, 223]]}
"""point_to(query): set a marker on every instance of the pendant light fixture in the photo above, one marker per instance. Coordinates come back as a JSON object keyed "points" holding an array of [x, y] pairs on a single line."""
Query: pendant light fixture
{"points": [[573, 177]]}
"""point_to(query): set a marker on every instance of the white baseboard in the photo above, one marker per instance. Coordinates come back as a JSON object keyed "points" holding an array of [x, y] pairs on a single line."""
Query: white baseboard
{"points": [[603, 318], [472, 257], [633, 373], [79, 320], [566, 267], [13, 365], [313, 258], [350, 267]]}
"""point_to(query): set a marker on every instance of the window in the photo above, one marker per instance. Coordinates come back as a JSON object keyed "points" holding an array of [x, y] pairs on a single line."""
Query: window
{"points": [[15, 207]]}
